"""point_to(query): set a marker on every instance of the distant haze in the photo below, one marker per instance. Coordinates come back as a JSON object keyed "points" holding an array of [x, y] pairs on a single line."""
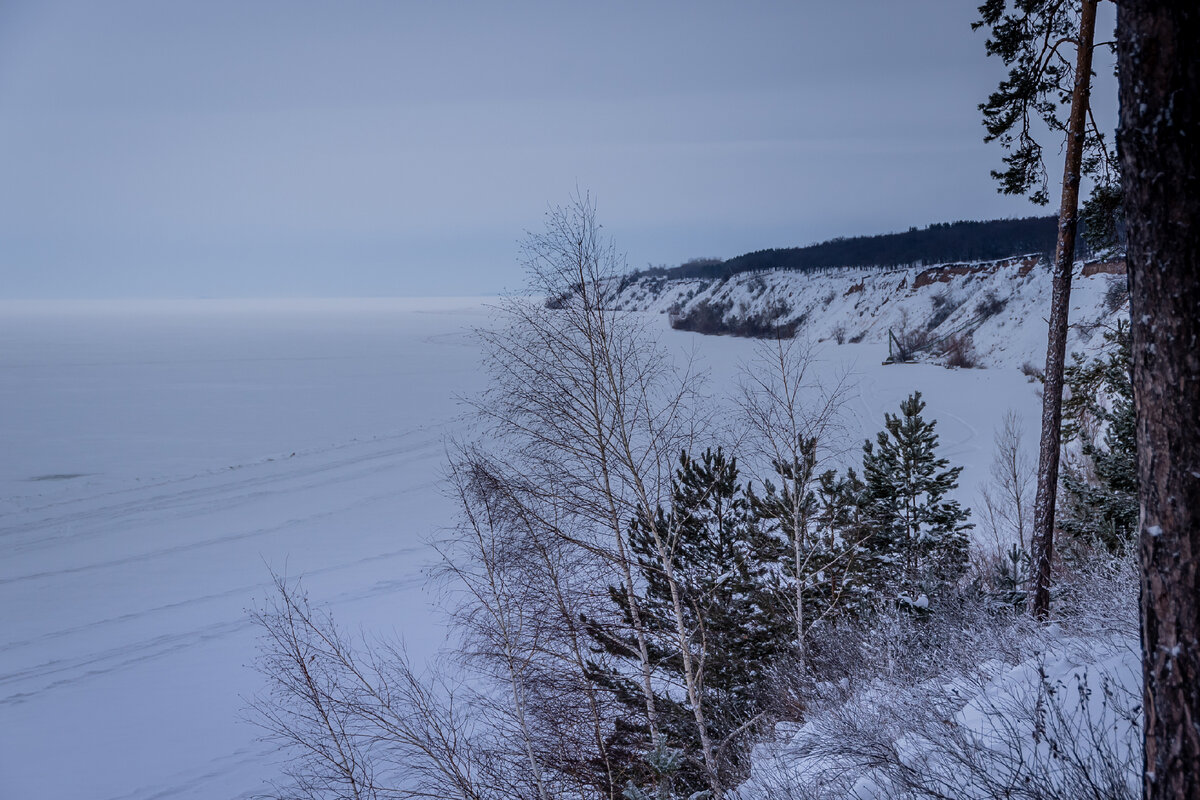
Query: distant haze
{"points": [[246, 149]]}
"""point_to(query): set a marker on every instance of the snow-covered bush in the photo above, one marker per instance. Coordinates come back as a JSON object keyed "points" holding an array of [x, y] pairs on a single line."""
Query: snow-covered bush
{"points": [[970, 703]]}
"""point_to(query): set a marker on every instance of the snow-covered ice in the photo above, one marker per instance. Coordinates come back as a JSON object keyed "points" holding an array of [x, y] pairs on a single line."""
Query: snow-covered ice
{"points": [[159, 458]]}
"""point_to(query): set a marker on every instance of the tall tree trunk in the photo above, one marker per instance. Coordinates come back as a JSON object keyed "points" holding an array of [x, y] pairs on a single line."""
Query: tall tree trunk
{"points": [[693, 677], [602, 382], [799, 528], [1056, 346], [1159, 65]]}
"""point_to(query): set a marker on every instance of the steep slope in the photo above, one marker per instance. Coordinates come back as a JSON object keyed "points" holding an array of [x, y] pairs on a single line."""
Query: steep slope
{"points": [[1000, 305]]}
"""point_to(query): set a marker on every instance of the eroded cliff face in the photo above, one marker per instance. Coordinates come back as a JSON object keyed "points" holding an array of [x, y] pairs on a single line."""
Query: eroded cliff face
{"points": [[996, 309]]}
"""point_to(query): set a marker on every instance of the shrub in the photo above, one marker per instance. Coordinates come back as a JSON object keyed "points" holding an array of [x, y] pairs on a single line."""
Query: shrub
{"points": [[766, 323], [944, 304], [712, 318], [1033, 372], [909, 340], [991, 305], [707, 316], [1116, 293], [970, 702], [960, 351]]}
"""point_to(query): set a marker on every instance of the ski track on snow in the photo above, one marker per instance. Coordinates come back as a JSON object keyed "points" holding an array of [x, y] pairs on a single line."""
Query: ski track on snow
{"points": [[167, 509], [335, 472], [230, 488]]}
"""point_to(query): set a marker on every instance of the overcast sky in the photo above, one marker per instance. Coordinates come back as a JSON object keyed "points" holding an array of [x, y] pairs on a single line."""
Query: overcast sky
{"points": [[247, 148]]}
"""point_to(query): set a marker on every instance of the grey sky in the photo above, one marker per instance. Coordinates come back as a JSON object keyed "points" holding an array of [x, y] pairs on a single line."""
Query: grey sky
{"points": [[252, 148]]}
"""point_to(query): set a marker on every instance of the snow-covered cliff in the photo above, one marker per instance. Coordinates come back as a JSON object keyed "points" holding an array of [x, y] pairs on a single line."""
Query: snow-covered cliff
{"points": [[1001, 305]]}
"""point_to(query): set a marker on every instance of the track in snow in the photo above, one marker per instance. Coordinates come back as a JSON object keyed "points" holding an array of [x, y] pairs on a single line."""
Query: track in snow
{"points": [[124, 637]]}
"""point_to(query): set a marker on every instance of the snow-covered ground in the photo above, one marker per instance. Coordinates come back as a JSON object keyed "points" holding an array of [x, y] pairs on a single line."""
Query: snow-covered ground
{"points": [[1064, 715], [160, 458]]}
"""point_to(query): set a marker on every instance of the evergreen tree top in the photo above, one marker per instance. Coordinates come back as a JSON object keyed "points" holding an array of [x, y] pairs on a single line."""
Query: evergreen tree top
{"points": [[906, 447], [917, 538]]}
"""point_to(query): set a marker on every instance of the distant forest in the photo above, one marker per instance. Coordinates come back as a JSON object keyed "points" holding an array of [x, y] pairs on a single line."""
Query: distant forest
{"points": [[939, 243]]}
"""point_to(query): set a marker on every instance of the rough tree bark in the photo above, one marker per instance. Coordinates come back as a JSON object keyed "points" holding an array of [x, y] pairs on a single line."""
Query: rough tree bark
{"points": [[1159, 67], [1056, 348]]}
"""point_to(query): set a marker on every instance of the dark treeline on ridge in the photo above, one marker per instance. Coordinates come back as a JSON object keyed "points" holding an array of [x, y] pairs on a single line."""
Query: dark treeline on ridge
{"points": [[936, 244]]}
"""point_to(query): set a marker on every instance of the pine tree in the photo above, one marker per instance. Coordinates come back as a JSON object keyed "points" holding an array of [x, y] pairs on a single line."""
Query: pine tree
{"points": [[1102, 491], [843, 528], [725, 570], [917, 541], [1030, 37], [817, 539], [1160, 159], [785, 514]]}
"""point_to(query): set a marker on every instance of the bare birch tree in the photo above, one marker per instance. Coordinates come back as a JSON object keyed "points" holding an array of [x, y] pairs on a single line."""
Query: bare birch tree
{"points": [[358, 723], [583, 423], [583, 397], [1006, 501], [511, 539], [500, 618], [793, 421]]}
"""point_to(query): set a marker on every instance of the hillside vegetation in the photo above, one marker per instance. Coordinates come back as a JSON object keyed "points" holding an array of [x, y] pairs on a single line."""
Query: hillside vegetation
{"points": [[660, 591], [939, 243]]}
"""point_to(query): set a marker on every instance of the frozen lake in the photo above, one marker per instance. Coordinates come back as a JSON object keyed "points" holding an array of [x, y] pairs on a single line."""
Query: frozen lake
{"points": [[159, 458]]}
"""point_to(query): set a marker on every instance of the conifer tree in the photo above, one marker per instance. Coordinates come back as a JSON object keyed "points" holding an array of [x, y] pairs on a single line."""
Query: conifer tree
{"points": [[818, 534], [1160, 157], [843, 529], [724, 570], [917, 541], [1034, 38], [787, 512], [1102, 491]]}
